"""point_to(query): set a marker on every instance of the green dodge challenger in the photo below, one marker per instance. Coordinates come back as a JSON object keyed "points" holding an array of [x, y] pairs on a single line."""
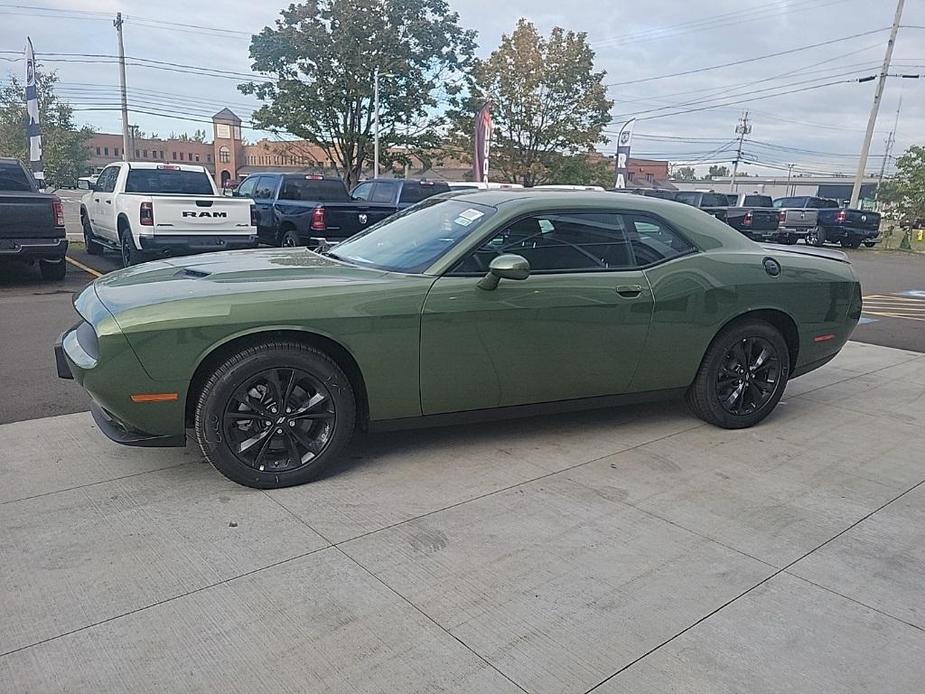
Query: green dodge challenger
{"points": [[464, 306]]}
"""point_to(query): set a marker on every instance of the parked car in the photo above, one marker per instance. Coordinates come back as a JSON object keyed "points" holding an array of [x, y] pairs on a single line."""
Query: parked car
{"points": [[145, 210], [482, 185], [470, 306], [31, 222], [301, 209], [758, 223], [397, 193], [820, 221]]}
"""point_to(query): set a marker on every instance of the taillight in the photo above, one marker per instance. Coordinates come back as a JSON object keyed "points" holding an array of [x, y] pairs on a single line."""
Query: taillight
{"points": [[841, 216], [319, 219], [747, 219], [783, 216], [59, 211], [253, 215], [146, 215]]}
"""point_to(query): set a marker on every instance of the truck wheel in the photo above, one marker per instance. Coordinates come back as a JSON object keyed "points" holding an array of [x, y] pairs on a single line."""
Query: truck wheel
{"points": [[816, 236], [290, 239], [869, 244], [742, 376], [53, 270], [93, 246], [129, 254], [275, 415]]}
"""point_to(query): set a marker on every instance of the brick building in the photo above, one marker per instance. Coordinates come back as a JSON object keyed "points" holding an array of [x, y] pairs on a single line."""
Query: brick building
{"points": [[229, 158]]}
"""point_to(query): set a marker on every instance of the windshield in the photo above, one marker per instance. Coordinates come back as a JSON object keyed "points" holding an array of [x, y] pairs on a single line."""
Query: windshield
{"points": [[412, 240], [174, 181]]}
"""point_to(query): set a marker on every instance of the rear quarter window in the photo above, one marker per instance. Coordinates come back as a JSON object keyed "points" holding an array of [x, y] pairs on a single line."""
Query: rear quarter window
{"points": [[14, 178]]}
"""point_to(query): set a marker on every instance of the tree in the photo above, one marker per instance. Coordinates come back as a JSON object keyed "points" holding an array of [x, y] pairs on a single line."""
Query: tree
{"points": [[321, 56], [547, 101], [65, 148], [685, 173], [904, 194], [198, 136], [580, 169], [718, 172]]}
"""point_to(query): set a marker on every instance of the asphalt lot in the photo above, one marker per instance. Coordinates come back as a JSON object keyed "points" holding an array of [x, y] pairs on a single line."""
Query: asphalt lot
{"points": [[635, 550]]}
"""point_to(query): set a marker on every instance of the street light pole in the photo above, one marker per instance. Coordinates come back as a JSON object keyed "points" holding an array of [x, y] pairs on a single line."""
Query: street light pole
{"points": [[789, 174], [376, 124], [875, 107]]}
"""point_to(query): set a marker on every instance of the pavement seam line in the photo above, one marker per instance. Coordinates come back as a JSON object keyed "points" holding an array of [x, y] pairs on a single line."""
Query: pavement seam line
{"points": [[164, 601], [856, 601], [749, 590], [85, 268], [859, 374], [94, 484]]}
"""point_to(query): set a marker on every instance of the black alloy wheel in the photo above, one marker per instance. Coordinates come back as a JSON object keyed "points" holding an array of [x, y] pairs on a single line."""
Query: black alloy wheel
{"points": [[129, 254], [93, 246], [748, 376], [279, 420], [290, 239], [816, 236]]}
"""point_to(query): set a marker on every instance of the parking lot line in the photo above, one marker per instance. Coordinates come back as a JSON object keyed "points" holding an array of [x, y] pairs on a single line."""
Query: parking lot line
{"points": [[77, 264]]}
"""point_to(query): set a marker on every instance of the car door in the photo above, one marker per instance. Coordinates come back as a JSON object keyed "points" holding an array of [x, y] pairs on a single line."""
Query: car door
{"points": [[574, 328], [264, 194], [104, 214]]}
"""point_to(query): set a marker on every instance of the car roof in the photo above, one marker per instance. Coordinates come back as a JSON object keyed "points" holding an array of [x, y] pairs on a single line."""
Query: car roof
{"points": [[527, 197]]}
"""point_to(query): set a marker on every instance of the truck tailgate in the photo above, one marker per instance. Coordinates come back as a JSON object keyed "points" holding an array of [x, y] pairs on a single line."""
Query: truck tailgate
{"points": [[798, 218], [184, 214], [348, 218], [764, 220], [27, 215], [861, 219]]}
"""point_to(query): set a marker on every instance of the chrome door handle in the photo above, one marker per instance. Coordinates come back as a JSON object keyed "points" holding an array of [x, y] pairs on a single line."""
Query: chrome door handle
{"points": [[630, 291]]}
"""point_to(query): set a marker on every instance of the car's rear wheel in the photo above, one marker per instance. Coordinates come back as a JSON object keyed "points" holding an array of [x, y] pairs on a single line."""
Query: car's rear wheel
{"points": [[742, 376], [53, 270], [93, 246], [129, 253], [816, 236], [275, 415]]}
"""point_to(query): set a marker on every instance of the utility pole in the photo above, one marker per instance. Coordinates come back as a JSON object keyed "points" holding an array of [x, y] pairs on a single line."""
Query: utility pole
{"points": [[125, 138], [875, 107], [742, 129], [890, 141], [789, 176]]}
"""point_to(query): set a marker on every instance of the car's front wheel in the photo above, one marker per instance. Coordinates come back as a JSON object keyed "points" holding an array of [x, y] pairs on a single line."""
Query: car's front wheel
{"points": [[275, 415], [742, 376], [93, 246]]}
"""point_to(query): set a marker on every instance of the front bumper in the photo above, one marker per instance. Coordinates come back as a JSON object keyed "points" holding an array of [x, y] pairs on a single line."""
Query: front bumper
{"points": [[119, 432], [32, 248], [185, 244]]}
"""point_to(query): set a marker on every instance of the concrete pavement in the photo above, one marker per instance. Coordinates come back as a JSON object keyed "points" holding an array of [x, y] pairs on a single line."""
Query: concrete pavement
{"points": [[634, 550]]}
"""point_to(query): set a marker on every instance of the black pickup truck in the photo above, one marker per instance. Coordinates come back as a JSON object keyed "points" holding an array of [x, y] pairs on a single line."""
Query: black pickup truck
{"points": [[755, 218], [31, 222], [826, 221], [398, 192]]}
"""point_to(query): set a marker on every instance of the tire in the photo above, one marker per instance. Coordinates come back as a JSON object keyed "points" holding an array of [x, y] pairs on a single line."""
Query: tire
{"points": [[289, 239], [93, 246], [127, 246], [816, 236], [53, 270], [720, 378], [236, 431], [869, 244]]}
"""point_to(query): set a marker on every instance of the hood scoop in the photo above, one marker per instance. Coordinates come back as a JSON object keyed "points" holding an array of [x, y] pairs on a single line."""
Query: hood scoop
{"points": [[187, 273]]}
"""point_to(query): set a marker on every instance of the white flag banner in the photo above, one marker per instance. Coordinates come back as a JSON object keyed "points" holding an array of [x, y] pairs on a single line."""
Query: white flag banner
{"points": [[33, 131], [624, 140]]}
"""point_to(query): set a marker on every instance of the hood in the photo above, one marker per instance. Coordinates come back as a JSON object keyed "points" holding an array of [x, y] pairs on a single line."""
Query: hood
{"points": [[226, 273]]}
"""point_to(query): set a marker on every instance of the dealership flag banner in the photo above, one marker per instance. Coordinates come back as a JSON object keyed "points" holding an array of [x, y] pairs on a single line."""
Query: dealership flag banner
{"points": [[482, 143], [32, 109], [624, 140]]}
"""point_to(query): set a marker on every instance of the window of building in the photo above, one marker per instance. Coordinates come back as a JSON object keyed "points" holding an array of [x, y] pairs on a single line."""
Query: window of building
{"points": [[181, 156], [174, 157], [224, 154], [106, 151], [97, 151], [144, 153], [197, 157], [115, 151], [137, 154], [209, 158]]}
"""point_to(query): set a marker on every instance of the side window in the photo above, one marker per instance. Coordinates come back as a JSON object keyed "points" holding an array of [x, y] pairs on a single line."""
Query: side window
{"points": [[383, 192], [823, 204], [715, 200], [653, 241], [246, 190], [581, 242], [106, 183], [264, 188], [362, 191], [688, 198]]}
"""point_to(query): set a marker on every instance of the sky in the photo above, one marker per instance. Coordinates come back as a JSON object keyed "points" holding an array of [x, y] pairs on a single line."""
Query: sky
{"points": [[641, 45]]}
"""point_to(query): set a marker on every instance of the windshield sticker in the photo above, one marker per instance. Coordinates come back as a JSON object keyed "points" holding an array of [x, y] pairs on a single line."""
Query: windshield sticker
{"points": [[466, 217], [546, 226]]}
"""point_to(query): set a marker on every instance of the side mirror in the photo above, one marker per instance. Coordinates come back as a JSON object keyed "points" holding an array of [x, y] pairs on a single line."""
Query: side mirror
{"points": [[507, 266]]}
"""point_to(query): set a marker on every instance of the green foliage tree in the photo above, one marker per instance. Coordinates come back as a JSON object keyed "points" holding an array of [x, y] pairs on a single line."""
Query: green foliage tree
{"points": [[685, 173], [904, 194], [321, 56], [65, 147], [547, 101], [718, 172], [580, 169]]}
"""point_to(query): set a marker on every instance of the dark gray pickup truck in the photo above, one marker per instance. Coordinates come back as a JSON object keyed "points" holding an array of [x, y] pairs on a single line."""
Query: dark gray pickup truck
{"points": [[31, 222], [757, 221]]}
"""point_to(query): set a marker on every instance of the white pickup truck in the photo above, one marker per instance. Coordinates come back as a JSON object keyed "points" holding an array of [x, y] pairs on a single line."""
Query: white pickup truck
{"points": [[146, 210]]}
